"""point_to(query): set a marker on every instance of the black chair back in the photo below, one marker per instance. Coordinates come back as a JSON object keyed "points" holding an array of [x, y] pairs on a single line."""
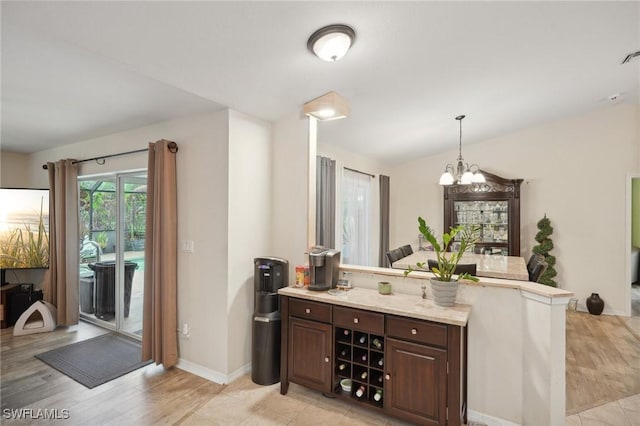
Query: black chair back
{"points": [[461, 268], [538, 270], [406, 250], [394, 255], [533, 260]]}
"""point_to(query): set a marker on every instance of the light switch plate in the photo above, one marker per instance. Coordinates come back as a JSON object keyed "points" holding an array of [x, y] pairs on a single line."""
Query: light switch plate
{"points": [[187, 246]]}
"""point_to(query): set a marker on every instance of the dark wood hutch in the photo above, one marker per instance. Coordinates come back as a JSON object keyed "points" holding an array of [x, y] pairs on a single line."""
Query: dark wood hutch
{"points": [[494, 205]]}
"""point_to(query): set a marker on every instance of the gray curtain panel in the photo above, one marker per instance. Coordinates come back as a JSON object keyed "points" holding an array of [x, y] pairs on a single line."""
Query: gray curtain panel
{"points": [[385, 189], [325, 202]]}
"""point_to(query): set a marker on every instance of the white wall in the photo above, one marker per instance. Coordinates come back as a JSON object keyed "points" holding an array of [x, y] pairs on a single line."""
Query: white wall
{"points": [[575, 171], [249, 232], [13, 170], [289, 190], [202, 170]]}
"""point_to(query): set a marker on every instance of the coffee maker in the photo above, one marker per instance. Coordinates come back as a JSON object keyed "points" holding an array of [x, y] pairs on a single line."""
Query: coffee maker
{"points": [[324, 265]]}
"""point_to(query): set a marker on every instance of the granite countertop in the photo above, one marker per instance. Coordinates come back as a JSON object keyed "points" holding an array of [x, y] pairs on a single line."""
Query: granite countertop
{"points": [[496, 266], [405, 305]]}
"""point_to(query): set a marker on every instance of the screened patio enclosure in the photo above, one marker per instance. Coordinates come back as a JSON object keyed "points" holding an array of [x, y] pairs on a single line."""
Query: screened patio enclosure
{"points": [[112, 216]]}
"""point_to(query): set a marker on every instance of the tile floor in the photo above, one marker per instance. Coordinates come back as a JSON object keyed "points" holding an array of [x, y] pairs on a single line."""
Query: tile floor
{"points": [[623, 412], [244, 403]]}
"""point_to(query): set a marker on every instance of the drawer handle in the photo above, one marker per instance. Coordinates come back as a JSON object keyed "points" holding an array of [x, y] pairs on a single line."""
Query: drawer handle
{"points": [[387, 376], [308, 310], [326, 359], [355, 320], [414, 331]]}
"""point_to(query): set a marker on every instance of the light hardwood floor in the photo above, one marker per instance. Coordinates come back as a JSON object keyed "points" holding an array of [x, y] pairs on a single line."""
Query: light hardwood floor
{"points": [[603, 387]]}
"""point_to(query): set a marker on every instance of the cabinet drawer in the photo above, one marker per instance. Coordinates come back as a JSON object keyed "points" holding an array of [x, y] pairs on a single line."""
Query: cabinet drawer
{"points": [[416, 330], [310, 310], [355, 319]]}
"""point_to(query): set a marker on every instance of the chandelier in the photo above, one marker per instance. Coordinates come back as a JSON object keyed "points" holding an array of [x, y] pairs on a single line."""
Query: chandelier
{"points": [[462, 173]]}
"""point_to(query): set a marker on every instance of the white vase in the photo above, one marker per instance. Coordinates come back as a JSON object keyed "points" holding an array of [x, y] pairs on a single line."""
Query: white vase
{"points": [[444, 292]]}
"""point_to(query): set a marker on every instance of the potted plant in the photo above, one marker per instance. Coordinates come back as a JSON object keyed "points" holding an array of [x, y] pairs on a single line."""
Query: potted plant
{"points": [[445, 283]]}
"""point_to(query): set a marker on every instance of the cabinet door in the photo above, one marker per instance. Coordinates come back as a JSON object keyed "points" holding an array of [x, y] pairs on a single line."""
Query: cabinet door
{"points": [[310, 354], [416, 385]]}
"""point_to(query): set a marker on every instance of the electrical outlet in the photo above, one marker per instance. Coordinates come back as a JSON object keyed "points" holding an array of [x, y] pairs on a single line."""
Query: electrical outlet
{"points": [[185, 330]]}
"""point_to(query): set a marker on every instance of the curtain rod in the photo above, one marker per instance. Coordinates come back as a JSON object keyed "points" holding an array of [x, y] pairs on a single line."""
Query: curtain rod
{"points": [[173, 147], [358, 171]]}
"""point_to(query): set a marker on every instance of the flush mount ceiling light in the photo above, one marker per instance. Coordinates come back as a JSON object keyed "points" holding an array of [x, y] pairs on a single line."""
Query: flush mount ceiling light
{"points": [[332, 42], [463, 174], [330, 106]]}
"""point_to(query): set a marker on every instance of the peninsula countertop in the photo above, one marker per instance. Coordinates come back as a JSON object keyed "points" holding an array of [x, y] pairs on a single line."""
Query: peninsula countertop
{"points": [[406, 305], [489, 266]]}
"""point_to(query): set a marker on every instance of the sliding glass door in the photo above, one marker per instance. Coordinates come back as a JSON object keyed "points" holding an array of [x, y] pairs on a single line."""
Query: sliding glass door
{"points": [[112, 226]]}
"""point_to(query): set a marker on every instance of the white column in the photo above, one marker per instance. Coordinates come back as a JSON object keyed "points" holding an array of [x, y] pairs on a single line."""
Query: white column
{"points": [[544, 345]]}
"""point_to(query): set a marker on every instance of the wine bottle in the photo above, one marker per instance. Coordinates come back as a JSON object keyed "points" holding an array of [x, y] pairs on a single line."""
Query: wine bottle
{"points": [[381, 361], [360, 391], [363, 339], [380, 378], [377, 343], [363, 376], [342, 366], [344, 352], [378, 395], [364, 357], [346, 332]]}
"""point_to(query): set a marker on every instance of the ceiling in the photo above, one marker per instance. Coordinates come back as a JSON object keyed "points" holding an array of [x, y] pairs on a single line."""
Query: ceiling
{"points": [[78, 70]]}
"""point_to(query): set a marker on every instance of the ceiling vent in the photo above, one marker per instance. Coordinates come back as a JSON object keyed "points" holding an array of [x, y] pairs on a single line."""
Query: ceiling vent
{"points": [[631, 56]]}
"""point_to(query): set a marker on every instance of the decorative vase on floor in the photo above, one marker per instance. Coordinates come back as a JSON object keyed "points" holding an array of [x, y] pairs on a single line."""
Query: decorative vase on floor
{"points": [[444, 292], [595, 305]]}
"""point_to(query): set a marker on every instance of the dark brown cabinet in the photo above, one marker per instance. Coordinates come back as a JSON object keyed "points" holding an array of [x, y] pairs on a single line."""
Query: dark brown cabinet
{"points": [[494, 206], [307, 342], [409, 368], [310, 360], [416, 382]]}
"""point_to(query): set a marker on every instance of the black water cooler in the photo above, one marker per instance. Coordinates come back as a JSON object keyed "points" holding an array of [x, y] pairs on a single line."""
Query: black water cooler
{"points": [[270, 274]]}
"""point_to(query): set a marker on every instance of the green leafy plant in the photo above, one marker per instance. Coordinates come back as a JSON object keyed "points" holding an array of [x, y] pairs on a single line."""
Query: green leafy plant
{"points": [[102, 238], [25, 248], [545, 245], [466, 236]]}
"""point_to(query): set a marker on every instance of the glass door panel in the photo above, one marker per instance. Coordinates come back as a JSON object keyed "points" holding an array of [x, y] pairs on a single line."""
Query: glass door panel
{"points": [[133, 220], [98, 218], [112, 223]]}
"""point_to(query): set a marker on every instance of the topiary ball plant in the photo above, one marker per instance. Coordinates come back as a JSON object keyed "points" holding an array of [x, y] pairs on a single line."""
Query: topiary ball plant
{"points": [[545, 245]]}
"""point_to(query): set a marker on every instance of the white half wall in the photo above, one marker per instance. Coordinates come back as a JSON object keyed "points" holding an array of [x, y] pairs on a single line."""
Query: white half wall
{"points": [[574, 170], [516, 347]]}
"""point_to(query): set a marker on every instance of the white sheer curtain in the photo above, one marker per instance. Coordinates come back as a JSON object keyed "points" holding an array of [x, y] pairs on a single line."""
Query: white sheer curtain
{"points": [[356, 217]]}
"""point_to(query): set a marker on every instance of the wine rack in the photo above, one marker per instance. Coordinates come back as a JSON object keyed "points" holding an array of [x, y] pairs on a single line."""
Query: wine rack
{"points": [[360, 357]]}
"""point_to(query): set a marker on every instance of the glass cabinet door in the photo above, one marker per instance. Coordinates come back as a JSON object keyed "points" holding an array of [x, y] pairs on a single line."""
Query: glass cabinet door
{"points": [[493, 219], [494, 206]]}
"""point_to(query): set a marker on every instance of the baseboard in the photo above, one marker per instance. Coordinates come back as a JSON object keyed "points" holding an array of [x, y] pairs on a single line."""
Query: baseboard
{"points": [[205, 373], [476, 418], [240, 372], [214, 376]]}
